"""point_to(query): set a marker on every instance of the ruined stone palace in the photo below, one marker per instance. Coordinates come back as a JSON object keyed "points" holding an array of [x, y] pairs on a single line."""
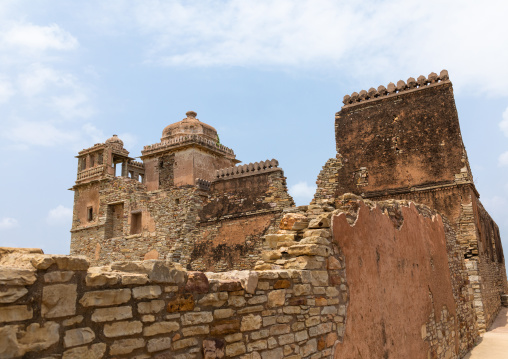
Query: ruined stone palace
{"points": [[187, 254], [186, 202]]}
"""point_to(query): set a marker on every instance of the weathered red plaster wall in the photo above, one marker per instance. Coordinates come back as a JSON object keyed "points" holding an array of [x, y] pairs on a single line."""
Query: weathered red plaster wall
{"points": [[390, 273]]}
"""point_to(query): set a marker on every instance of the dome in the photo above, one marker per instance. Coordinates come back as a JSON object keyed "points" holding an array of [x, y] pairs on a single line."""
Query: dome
{"points": [[114, 140], [189, 126]]}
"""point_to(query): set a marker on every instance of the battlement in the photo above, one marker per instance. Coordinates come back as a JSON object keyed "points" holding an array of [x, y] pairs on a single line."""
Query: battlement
{"points": [[402, 87], [183, 140], [203, 184], [247, 169]]}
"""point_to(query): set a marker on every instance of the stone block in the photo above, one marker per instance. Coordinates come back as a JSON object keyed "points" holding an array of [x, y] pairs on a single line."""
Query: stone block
{"points": [[158, 344], [234, 349], [197, 282], [280, 329], [251, 322], [158, 271], [15, 313], [320, 329], [17, 276], [181, 303], [294, 222], [94, 351], [319, 278], [72, 321], [161, 328], [258, 299], [99, 279], [236, 301], [80, 336], [333, 263], [309, 348], [302, 289], [276, 298], [325, 233], [256, 308], [315, 240], [282, 284], [223, 313], [154, 306], [222, 327], [248, 279], [148, 292], [120, 329], [12, 294], [271, 240], [111, 314], [139, 279], [213, 348], [126, 346], [214, 299], [195, 330], [58, 276], [184, 343], [63, 262], [105, 298], [321, 221], [197, 318], [301, 335], [37, 337], [272, 354], [305, 262], [229, 286], [309, 250], [59, 300]]}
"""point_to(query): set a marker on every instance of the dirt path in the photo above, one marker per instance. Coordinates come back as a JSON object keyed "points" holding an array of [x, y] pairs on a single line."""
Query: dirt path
{"points": [[494, 344]]}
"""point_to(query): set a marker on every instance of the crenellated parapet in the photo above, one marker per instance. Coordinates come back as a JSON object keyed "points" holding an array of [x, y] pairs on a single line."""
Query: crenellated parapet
{"points": [[394, 89], [248, 169], [203, 184]]}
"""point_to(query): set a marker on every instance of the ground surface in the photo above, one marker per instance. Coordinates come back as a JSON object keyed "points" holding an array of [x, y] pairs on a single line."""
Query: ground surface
{"points": [[494, 344]]}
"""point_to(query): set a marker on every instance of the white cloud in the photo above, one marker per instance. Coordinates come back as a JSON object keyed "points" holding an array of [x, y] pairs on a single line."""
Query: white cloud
{"points": [[34, 37], [7, 222], [503, 125], [399, 37], [302, 193], [74, 105], [6, 89], [38, 77], [503, 159], [59, 215], [39, 133]]}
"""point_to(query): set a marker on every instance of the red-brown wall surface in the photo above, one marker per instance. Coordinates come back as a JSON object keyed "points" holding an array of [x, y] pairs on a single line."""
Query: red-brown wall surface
{"points": [[399, 283]]}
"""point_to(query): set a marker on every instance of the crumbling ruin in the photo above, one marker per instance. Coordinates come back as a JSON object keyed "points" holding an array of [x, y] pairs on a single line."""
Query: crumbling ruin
{"points": [[394, 258]]}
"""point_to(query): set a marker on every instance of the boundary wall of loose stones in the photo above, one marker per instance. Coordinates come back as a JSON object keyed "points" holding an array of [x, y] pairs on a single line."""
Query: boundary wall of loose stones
{"points": [[58, 305]]}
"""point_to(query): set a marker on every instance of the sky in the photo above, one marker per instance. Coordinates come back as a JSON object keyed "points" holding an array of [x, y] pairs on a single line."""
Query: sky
{"points": [[268, 75]]}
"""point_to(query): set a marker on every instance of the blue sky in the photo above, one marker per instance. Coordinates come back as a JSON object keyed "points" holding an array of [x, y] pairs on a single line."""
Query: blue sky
{"points": [[269, 75]]}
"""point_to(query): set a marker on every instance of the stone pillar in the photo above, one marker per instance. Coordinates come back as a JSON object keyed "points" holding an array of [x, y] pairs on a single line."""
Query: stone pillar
{"points": [[125, 173]]}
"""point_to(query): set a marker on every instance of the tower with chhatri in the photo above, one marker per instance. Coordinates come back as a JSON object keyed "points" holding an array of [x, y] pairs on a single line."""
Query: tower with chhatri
{"points": [[176, 201]]}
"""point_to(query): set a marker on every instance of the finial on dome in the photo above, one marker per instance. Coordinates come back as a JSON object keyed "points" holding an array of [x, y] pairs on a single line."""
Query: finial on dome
{"points": [[114, 139], [191, 114]]}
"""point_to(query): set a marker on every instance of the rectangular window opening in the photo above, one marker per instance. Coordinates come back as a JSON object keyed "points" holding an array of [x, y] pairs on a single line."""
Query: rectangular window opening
{"points": [[136, 223], [89, 214]]}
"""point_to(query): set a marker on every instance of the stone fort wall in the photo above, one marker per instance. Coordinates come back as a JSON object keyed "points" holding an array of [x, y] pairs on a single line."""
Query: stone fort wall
{"points": [[404, 142], [215, 225], [303, 299]]}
